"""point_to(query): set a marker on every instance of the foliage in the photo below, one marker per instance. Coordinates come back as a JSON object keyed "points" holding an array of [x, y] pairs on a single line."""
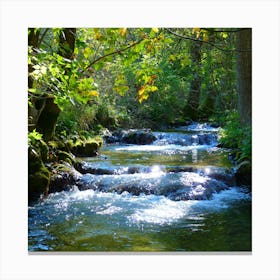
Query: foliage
{"points": [[237, 137], [136, 77], [33, 137], [37, 146]]}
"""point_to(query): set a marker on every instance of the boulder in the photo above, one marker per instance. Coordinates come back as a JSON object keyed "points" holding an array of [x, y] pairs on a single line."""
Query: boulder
{"points": [[84, 168], [243, 174], [63, 177], [175, 186], [177, 169], [38, 176], [86, 148], [139, 137], [219, 173]]}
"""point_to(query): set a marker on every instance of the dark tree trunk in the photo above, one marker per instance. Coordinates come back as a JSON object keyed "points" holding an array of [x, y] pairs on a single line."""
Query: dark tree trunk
{"points": [[67, 42], [191, 109], [244, 75], [48, 117]]}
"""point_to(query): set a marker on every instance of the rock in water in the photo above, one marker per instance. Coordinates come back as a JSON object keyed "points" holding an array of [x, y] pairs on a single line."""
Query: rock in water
{"points": [[63, 177], [138, 137]]}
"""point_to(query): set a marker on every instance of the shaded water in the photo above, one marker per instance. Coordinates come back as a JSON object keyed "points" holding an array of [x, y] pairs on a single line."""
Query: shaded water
{"points": [[142, 206]]}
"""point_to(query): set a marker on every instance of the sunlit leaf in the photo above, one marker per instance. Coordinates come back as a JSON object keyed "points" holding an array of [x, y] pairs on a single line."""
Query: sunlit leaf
{"points": [[97, 36], [123, 31], [93, 93], [141, 90], [205, 37], [153, 88], [172, 57], [224, 35], [155, 29]]}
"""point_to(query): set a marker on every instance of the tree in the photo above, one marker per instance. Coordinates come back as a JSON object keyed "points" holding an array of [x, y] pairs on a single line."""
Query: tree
{"points": [[43, 107], [244, 74], [48, 117], [195, 86]]}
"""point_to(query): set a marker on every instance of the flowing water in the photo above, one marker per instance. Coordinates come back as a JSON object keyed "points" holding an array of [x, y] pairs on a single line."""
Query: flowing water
{"points": [[172, 195]]}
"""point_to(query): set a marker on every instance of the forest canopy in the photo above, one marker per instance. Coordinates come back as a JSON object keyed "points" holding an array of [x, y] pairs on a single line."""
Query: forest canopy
{"points": [[83, 80]]}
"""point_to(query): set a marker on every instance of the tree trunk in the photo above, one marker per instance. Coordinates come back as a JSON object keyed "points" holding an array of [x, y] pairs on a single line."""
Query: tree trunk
{"points": [[191, 109], [244, 75], [67, 42], [48, 117]]}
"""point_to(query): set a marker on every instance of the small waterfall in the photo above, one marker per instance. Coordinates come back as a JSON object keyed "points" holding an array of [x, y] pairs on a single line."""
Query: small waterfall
{"points": [[183, 139], [149, 191]]}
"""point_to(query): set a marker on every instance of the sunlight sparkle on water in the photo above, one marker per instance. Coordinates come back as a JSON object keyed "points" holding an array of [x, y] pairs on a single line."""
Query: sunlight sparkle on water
{"points": [[207, 170]]}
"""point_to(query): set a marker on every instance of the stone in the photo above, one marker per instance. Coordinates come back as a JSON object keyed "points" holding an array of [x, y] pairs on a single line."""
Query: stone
{"points": [[38, 176], [87, 148], [63, 177], [132, 136], [243, 174], [219, 173], [139, 138]]}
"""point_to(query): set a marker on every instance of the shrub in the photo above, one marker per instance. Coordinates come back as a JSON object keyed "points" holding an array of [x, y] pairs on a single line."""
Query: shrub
{"points": [[237, 137]]}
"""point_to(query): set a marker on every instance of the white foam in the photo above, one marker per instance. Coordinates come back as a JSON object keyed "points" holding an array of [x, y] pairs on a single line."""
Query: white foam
{"points": [[162, 212], [201, 127], [82, 195], [165, 211], [153, 148], [109, 211], [138, 210]]}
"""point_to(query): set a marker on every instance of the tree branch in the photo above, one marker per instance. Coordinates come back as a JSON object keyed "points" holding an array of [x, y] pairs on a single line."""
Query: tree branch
{"points": [[227, 30], [112, 53], [42, 37], [206, 42]]}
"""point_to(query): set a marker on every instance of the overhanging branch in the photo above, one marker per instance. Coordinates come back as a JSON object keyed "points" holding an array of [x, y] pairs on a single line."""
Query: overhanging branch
{"points": [[112, 53], [205, 42]]}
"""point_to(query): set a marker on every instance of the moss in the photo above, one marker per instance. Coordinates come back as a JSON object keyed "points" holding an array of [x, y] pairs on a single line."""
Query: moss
{"points": [[64, 156], [88, 147], [40, 148], [63, 177], [38, 176], [69, 144], [57, 144]]}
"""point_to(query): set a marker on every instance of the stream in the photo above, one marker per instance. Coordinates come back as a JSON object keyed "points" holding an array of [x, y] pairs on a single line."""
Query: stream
{"points": [[175, 194]]}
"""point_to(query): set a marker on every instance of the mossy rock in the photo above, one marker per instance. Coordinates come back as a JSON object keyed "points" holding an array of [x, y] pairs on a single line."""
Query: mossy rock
{"points": [[139, 137], [38, 176], [63, 177], [41, 149], [38, 184], [57, 144], [87, 148], [67, 157]]}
